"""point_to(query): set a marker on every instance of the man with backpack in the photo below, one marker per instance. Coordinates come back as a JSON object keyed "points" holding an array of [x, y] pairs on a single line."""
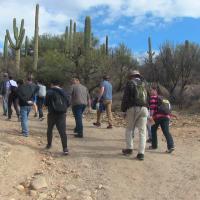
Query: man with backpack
{"points": [[161, 113], [134, 106], [25, 93], [4, 88], [57, 102], [41, 98]]}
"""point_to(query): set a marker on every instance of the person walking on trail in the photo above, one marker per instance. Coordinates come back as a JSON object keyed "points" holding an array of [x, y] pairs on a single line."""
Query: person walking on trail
{"points": [[80, 98], [57, 102], [12, 98], [105, 94], [41, 99], [25, 93], [134, 106], [161, 112], [4, 91]]}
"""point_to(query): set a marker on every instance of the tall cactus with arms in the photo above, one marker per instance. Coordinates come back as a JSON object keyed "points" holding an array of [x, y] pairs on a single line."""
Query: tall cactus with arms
{"points": [[18, 36], [36, 36]]}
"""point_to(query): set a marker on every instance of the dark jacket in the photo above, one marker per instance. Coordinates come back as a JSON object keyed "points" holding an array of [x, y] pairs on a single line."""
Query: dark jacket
{"points": [[26, 92], [49, 97], [129, 97]]}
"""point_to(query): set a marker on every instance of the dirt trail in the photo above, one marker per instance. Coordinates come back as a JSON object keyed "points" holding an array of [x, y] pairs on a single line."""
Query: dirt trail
{"points": [[95, 166]]}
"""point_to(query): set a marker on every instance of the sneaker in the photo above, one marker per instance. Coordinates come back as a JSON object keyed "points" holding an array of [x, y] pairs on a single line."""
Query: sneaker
{"points": [[140, 156], [48, 146], [97, 124], [149, 140], [170, 150], [109, 126], [78, 136], [151, 148], [127, 151], [41, 118], [65, 151]]}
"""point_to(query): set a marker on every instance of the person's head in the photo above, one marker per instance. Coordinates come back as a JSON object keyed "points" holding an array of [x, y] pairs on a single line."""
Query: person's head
{"points": [[55, 82], [153, 91], [106, 78], [75, 80], [20, 82], [134, 74], [10, 77], [5, 75], [29, 80]]}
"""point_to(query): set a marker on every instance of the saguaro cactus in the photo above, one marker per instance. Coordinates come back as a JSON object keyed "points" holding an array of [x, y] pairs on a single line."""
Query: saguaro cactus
{"points": [[70, 36], [87, 33], [150, 59], [106, 45], [36, 37], [18, 36], [66, 40], [26, 45]]}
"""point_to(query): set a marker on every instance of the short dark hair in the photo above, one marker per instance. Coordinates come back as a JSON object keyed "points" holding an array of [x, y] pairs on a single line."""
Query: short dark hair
{"points": [[106, 77], [55, 82], [20, 82]]}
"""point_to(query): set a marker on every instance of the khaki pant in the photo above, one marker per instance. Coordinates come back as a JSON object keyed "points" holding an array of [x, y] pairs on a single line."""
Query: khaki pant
{"points": [[136, 120], [108, 105]]}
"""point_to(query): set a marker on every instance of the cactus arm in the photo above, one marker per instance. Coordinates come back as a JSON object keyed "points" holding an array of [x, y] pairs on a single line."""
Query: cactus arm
{"points": [[10, 40]]}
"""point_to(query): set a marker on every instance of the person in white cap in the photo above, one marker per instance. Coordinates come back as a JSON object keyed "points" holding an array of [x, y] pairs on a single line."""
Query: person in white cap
{"points": [[134, 106]]}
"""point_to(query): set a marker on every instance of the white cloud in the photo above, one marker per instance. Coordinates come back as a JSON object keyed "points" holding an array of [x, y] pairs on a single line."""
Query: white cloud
{"points": [[55, 14]]}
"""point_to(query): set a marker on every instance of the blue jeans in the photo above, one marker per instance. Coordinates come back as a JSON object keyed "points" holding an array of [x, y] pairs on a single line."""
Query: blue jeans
{"points": [[78, 115], [164, 123], [24, 112]]}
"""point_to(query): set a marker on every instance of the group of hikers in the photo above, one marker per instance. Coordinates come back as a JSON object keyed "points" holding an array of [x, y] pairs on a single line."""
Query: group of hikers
{"points": [[143, 107]]}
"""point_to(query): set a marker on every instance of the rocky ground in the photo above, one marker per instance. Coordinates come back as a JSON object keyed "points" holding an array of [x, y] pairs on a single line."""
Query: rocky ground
{"points": [[95, 168]]}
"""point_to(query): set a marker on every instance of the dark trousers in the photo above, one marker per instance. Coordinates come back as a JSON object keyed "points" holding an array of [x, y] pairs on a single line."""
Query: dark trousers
{"points": [[164, 123], [12, 99], [40, 103], [78, 115], [60, 121]]}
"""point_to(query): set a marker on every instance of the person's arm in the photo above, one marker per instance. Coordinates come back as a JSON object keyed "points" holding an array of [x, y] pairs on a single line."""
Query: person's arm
{"points": [[101, 91], [125, 98]]}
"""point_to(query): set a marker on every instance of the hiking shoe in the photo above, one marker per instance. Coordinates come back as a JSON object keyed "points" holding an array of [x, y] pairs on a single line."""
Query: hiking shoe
{"points": [[149, 140], [78, 136], [151, 148], [65, 151], [127, 151], [41, 118], [97, 124], [109, 126], [48, 146], [170, 150], [140, 156]]}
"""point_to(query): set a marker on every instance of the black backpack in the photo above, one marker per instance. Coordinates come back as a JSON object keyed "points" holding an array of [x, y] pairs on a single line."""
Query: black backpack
{"points": [[59, 101], [164, 106]]}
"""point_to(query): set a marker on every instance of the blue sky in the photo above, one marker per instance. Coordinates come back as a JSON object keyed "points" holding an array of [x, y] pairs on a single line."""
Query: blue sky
{"points": [[127, 21]]}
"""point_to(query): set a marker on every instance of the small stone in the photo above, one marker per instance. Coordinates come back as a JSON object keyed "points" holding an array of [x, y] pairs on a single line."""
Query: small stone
{"points": [[100, 187], [69, 188], [39, 183], [33, 193], [20, 188], [43, 196], [86, 193]]}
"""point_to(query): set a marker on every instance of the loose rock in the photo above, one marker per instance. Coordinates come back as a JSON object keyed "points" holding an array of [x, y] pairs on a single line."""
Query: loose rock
{"points": [[39, 183]]}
